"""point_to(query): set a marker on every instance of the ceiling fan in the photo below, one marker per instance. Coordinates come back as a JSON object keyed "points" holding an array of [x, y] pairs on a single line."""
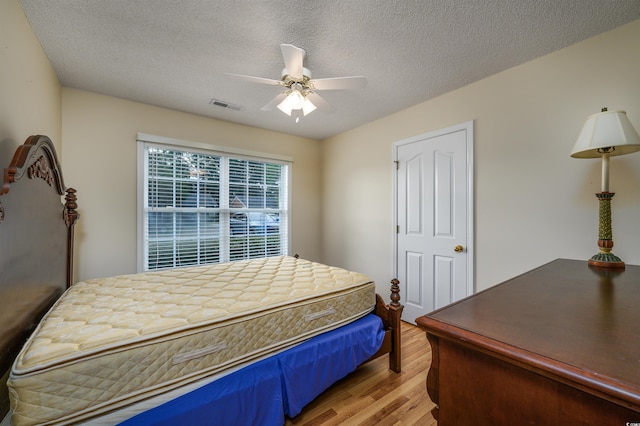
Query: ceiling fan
{"points": [[299, 96]]}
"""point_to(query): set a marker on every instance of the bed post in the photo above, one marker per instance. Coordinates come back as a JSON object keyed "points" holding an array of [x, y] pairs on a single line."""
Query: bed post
{"points": [[390, 315], [395, 313], [70, 216]]}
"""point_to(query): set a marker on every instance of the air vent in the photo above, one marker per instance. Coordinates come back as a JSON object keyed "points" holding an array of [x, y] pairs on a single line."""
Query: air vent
{"points": [[223, 104]]}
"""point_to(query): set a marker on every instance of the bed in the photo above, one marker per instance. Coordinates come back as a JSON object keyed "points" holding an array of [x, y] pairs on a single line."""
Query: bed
{"points": [[261, 337]]}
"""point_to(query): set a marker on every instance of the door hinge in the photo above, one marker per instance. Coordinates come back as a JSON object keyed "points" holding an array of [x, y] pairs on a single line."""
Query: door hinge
{"points": [[397, 229], [397, 164]]}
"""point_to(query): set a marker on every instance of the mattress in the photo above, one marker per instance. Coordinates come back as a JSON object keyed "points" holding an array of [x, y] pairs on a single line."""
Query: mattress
{"points": [[111, 342], [264, 392]]}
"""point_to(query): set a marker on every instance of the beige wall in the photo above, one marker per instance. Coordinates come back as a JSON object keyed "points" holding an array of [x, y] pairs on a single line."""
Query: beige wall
{"points": [[100, 148], [533, 203], [29, 90]]}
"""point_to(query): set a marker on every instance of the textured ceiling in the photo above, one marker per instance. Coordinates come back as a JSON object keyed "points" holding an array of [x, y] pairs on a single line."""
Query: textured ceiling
{"points": [[175, 53]]}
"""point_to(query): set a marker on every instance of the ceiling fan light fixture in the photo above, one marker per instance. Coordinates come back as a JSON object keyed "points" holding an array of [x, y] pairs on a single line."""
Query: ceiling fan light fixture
{"points": [[294, 100], [297, 101]]}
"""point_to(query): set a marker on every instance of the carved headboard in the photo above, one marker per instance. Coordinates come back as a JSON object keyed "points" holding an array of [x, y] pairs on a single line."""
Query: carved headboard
{"points": [[36, 245]]}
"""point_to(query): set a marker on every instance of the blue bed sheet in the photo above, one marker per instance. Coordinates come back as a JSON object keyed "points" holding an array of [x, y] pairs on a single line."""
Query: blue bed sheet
{"points": [[265, 392]]}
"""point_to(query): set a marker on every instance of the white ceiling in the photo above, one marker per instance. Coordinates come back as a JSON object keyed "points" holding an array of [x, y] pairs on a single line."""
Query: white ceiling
{"points": [[175, 53]]}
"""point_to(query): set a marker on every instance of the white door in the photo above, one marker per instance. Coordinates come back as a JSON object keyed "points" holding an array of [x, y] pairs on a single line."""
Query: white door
{"points": [[434, 218]]}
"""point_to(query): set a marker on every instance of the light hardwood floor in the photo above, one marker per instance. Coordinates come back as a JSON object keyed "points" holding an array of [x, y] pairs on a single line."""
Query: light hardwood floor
{"points": [[374, 395]]}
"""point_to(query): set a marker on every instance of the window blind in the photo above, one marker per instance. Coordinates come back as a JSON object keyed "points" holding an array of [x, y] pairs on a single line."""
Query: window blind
{"points": [[201, 207]]}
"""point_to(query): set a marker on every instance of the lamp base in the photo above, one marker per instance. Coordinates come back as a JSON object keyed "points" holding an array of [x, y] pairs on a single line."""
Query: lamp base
{"points": [[606, 260]]}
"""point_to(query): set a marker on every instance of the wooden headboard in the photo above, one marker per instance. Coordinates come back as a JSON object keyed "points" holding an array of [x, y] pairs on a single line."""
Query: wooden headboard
{"points": [[36, 245]]}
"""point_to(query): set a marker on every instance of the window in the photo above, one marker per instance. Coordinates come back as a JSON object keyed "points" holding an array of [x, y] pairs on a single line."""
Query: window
{"points": [[201, 207]]}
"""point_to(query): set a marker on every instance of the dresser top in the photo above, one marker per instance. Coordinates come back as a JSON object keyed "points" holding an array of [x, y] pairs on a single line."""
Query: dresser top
{"points": [[565, 315]]}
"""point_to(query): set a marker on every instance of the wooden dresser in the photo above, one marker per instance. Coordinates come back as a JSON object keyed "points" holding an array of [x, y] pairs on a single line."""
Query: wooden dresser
{"points": [[559, 345]]}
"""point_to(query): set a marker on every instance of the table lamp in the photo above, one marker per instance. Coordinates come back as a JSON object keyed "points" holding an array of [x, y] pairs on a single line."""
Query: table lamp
{"points": [[605, 135]]}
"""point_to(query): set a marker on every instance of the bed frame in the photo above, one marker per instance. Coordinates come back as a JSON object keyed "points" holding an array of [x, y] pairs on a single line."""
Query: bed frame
{"points": [[36, 254]]}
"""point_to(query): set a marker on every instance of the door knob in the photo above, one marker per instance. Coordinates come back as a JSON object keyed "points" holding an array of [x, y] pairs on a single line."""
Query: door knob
{"points": [[458, 248]]}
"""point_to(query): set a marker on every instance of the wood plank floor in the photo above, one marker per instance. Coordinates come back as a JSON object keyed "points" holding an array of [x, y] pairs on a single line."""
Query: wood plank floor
{"points": [[374, 395]]}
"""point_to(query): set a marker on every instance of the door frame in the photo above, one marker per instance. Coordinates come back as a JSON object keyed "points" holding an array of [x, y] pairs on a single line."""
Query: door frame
{"points": [[467, 126]]}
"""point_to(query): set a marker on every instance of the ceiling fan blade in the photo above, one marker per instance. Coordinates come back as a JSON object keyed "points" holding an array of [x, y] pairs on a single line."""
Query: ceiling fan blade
{"points": [[293, 59], [320, 103], [252, 79], [336, 83], [274, 102]]}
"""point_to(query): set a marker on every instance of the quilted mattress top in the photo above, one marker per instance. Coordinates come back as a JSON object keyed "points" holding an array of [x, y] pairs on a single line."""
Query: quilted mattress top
{"points": [[98, 315]]}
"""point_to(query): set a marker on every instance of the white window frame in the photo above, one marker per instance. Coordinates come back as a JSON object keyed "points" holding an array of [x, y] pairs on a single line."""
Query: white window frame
{"points": [[144, 140]]}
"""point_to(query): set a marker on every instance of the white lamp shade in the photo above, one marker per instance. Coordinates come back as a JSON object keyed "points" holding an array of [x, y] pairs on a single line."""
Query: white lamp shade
{"points": [[285, 107], [604, 130], [307, 106]]}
